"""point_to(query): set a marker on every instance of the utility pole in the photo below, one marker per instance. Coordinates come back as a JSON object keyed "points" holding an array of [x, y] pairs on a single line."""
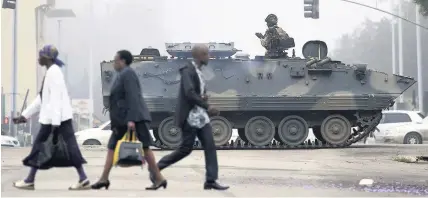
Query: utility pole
{"points": [[40, 14], [60, 14], [59, 34], [59, 47], [400, 44], [393, 55], [394, 45], [419, 61], [394, 63], [91, 97], [15, 67]]}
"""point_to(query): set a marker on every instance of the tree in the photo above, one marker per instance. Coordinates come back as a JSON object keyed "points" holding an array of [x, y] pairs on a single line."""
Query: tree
{"points": [[423, 6], [372, 44]]}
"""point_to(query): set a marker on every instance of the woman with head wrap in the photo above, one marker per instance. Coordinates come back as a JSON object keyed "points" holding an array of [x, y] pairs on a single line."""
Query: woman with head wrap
{"points": [[55, 116]]}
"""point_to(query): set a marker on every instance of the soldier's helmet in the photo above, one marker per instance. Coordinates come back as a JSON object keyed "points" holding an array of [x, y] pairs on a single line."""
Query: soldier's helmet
{"points": [[271, 18]]}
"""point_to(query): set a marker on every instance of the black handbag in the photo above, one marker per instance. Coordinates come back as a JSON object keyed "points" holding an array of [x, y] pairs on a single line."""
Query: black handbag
{"points": [[128, 151], [54, 152]]}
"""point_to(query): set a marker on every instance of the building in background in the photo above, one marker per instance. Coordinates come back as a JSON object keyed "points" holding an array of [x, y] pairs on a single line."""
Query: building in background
{"points": [[26, 48]]}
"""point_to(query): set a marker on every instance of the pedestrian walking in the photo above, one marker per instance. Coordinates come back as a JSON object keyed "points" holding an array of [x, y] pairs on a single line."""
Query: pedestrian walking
{"points": [[55, 116], [128, 112], [192, 116]]}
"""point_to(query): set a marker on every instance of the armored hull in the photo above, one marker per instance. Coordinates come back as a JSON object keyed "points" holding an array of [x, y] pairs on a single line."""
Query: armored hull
{"points": [[272, 102]]}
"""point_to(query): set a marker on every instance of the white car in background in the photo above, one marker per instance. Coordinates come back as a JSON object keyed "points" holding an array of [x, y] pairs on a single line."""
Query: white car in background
{"points": [[403, 127], [413, 133], [395, 118], [94, 136], [9, 141]]}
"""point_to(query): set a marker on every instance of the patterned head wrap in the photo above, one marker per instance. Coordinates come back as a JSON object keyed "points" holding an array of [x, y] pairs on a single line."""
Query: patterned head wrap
{"points": [[51, 52]]}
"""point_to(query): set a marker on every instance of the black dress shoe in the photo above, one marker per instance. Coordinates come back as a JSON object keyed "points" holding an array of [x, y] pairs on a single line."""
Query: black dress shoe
{"points": [[163, 184], [101, 184], [215, 186]]}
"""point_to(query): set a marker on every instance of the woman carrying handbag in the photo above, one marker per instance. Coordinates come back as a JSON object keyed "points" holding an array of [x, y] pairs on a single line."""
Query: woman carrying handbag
{"points": [[128, 112], [55, 116]]}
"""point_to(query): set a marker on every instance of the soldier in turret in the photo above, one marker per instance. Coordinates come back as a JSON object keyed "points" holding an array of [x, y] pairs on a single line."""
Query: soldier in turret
{"points": [[273, 36]]}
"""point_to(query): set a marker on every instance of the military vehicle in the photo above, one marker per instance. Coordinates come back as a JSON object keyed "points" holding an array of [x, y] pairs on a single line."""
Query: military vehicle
{"points": [[272, 102]]}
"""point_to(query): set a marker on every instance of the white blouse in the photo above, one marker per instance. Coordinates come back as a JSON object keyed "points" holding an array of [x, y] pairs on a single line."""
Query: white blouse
{"points": [[54, 106]]}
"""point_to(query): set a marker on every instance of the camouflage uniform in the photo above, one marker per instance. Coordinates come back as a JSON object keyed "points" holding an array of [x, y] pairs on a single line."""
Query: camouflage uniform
{"points": [[273, 36]]}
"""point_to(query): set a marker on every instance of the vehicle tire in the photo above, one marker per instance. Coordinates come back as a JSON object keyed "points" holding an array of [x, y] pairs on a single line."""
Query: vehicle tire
{"points": [[336, 129], [293, 130], [169, 134], [91, 142], [412, 138], [221, 129], [260, 131]]}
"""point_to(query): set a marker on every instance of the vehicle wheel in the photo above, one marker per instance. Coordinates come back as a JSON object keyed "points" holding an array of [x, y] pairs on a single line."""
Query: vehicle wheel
{"points": [[259, 131], [222, 130], [336, 129], [169, 134], [293, 130], [316, 130], [91, 142], [412, 138]]}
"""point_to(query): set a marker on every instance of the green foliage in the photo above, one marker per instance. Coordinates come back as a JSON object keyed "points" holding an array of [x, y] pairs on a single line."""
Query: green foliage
{"points": [[423, 6]]}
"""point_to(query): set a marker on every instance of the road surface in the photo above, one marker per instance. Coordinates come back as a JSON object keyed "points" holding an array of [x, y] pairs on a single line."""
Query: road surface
{"points": [[288, 173]]}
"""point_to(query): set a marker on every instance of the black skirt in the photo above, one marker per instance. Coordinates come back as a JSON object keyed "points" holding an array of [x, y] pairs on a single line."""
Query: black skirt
{"points": [[67, 132]]}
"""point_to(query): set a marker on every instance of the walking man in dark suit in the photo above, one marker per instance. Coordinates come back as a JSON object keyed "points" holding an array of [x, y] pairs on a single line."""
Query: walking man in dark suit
{"points": [[192, 117], [128, 112]]}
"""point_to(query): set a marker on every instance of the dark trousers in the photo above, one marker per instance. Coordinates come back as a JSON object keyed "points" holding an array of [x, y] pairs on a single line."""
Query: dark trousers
{"points": [[206, 138]]}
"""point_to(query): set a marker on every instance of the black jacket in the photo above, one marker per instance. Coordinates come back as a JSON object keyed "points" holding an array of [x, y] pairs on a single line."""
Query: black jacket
{"points": [[126, 99], [189, 94]]}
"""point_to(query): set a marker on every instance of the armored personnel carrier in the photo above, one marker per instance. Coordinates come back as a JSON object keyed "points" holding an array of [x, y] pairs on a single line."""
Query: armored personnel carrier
{"points": [[272, 102]]}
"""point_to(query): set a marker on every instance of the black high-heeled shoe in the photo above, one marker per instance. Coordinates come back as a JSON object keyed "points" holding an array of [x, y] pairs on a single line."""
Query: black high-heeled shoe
{"points": [[163, 184], [101, 184]]}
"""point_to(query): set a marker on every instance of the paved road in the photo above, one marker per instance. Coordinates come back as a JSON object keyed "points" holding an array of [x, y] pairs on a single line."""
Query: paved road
{"points": [[327, 172]]}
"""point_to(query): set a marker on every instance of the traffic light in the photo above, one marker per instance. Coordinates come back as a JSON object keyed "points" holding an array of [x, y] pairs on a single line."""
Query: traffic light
{"points": [[312, 9]]}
